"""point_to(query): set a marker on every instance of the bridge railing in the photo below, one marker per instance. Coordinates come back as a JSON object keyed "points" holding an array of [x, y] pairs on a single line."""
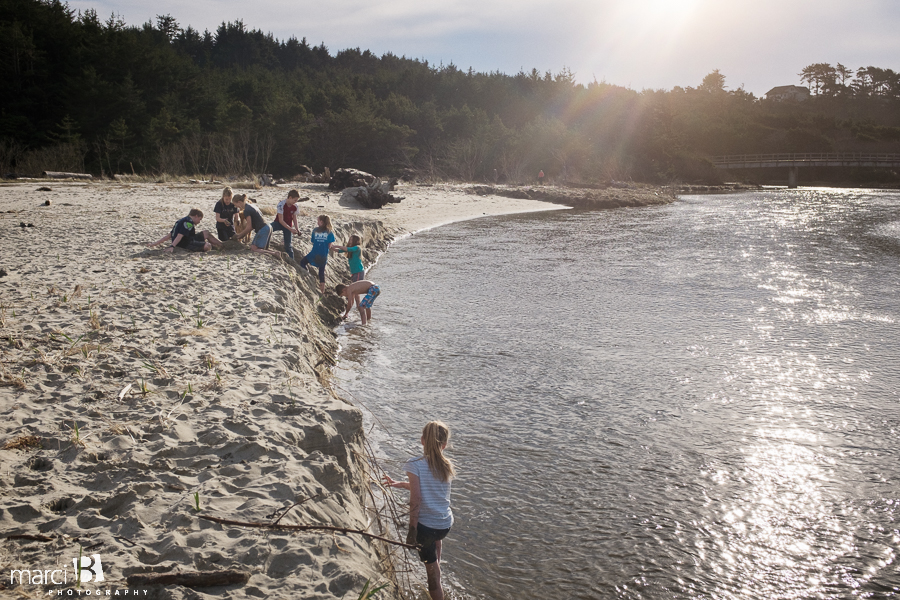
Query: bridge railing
{"points": [[804, 157]]}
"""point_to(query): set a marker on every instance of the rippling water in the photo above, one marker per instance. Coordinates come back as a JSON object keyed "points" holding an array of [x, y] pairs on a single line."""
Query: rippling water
{"points": [[691, 401]]}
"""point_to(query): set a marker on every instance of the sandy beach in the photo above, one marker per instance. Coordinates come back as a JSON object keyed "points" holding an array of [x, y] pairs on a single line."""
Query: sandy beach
{"points": [[139, 385]]}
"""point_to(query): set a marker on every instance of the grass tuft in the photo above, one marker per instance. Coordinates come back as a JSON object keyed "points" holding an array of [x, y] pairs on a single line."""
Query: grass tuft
{"points": [[17, 381], [24, 442], [368, 593]]}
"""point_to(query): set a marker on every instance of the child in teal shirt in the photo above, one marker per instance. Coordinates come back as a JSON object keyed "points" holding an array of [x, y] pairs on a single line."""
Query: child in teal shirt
{"points": [[354, 257]]}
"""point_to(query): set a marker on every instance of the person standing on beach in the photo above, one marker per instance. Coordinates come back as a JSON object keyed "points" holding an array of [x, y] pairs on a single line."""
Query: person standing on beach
{"points": [[286, 220], [351, 293], [253, 219], [185, 235], [225, 211], [322, 239], [541, 177], [430, 515]]}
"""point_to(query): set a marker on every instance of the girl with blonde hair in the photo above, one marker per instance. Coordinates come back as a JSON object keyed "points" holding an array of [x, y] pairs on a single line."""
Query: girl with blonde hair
{"points": [[225, 211], [430, 516], [322, 240]]}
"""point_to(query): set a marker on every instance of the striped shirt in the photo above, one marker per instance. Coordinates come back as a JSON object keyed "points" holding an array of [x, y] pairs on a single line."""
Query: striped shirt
{"points": [[435, 510]]}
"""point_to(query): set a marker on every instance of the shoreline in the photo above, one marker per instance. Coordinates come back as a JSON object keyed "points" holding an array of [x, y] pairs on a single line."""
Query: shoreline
{"points": [[148, 378]]}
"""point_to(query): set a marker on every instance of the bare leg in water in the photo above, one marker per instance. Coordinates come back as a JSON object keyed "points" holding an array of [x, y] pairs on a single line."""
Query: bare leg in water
{"points": [[433, 570]]}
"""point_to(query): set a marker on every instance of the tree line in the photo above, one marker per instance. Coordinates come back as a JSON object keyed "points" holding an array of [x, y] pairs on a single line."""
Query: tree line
{"points": [[825, 80], [85, 94]]}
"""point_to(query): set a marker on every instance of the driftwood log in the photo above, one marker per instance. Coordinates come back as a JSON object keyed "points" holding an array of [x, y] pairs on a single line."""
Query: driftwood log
{"points": [[196, 579], [27, 536], [62, 175], [372, 196], [349, 178], [309, 176], [365, 188]]}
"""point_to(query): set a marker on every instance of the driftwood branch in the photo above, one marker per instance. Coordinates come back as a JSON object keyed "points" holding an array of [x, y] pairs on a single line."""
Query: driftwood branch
{"points": [[304, 528], [28, 536], [294, 505], [62, 175], [197, 579]]}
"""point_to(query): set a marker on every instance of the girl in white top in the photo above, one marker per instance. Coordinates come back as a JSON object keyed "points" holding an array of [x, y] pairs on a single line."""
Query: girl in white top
{"points": [[430, 516]]}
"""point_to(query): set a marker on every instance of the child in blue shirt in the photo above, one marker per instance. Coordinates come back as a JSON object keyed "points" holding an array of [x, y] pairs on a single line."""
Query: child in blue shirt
{"points": [[322, 239]]}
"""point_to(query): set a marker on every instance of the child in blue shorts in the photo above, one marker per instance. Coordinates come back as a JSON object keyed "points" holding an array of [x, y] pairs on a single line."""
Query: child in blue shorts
{"points": [[255, 221], [351, 293]]}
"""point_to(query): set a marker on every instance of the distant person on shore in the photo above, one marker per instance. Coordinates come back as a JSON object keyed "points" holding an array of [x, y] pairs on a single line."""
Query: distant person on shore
{"points": [[541, 177], [322, 239], [351, 293], [253, 219], [430, 515], [286, 220], [225, 211], [185, 235], [354, 257]]}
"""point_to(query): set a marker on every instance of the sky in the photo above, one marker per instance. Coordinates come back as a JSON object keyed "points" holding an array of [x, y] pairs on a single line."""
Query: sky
{"points": [[639, 44]]}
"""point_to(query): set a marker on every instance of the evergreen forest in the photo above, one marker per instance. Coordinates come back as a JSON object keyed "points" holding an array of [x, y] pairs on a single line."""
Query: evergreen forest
{"points": [[84, 94]]}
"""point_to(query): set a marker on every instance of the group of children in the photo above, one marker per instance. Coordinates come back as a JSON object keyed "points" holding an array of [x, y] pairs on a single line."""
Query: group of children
{"points": [[236, 218], [428, 476]]}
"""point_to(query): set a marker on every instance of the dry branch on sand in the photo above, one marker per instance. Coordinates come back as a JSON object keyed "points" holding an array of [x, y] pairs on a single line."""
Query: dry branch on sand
{"points": [[304, 528], [191, 580]]}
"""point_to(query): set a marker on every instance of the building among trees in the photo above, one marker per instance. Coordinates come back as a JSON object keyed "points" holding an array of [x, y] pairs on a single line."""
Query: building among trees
{"points": [[788, 92]]}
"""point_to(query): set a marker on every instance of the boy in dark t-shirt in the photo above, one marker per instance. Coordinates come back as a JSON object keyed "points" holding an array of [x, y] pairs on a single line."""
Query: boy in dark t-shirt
{"points": [[185, 235]]}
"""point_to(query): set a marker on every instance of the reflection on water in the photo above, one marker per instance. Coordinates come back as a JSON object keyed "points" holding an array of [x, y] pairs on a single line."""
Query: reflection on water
{"points": [[693, 401]]}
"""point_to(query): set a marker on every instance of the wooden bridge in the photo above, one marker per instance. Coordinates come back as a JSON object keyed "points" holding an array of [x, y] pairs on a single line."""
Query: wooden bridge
{"points": [[794, 161]]}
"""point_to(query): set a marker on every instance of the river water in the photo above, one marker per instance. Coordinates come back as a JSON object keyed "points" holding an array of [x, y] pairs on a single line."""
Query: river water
{"points": [[698, 400]]}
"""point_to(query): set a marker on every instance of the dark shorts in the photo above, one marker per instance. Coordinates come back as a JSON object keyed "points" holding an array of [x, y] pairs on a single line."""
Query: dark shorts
{"points": [[225, 232], [428, 538], [195, 245], [315, 259]]}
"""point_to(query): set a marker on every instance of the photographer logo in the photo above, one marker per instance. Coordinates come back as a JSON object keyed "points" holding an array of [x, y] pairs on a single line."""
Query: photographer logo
{"points": [[90, 570]]}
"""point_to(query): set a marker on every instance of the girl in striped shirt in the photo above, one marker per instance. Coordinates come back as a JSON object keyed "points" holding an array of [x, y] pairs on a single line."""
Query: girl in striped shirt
{"points": [[430, 516]]}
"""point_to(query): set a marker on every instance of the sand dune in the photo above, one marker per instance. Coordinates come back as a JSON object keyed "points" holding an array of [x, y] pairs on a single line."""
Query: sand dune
{"points": [[133, 379]]}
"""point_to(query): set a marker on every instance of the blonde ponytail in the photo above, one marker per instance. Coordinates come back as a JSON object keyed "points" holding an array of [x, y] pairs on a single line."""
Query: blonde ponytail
{"points": [[435, 436]]}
